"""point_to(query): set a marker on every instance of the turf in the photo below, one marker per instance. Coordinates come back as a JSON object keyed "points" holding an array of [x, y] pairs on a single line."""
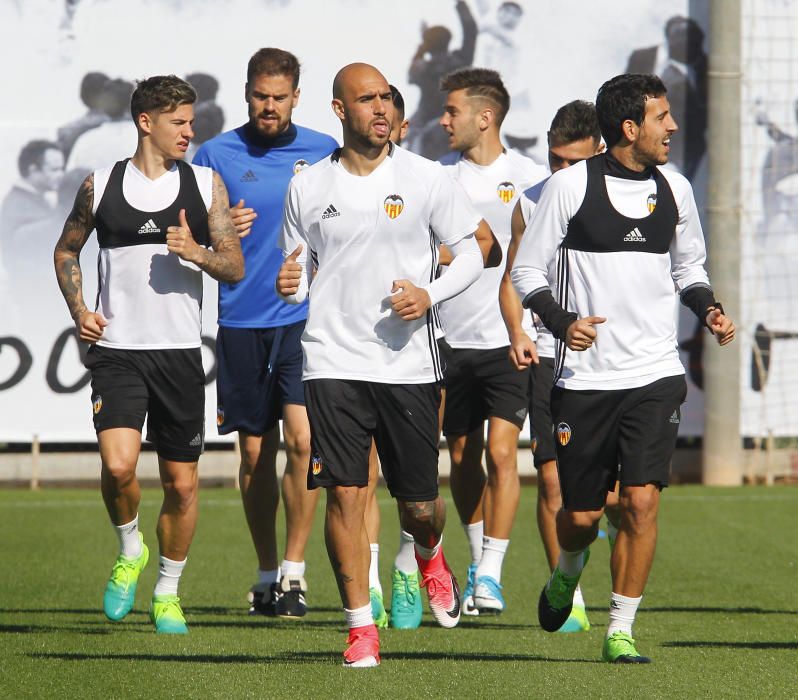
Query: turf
{"points": [[720, 615]]}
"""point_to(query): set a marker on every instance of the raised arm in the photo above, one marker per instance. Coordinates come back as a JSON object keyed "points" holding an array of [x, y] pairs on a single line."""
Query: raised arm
{"points": [[225, 262], [77, 229]]}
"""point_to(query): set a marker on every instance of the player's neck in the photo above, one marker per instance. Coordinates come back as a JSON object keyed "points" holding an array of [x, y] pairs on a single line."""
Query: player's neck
{"points": [[150, 163], [362, 160], [624, 155], [486, 151]]}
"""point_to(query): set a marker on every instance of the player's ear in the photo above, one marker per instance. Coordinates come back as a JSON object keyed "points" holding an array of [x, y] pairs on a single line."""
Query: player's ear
{"points": [[246, 92], [144, 122], [295, 98], [630, 130], [338, 108]]}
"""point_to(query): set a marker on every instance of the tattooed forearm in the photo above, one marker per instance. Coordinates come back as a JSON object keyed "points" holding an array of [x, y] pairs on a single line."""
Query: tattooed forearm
{"points": [[423, 519], [77, 229], [226, 262]]}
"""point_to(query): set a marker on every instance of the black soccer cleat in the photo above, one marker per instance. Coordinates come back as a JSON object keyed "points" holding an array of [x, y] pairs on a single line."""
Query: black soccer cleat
{"points": [[291, 603], [263, 599]]}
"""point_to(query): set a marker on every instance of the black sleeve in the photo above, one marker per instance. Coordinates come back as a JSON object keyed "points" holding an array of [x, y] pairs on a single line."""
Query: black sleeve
{"points": [[698, 298], [554, 317]]}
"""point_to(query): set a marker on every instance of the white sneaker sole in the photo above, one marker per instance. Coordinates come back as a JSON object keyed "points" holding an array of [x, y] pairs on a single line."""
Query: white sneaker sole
{"points": [[365, 662], [469, 608]]}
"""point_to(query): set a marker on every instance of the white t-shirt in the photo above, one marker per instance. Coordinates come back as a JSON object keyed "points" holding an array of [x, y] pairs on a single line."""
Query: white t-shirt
{"points": [[362, 233], [473, 319], [151, 298], [635, 291]]}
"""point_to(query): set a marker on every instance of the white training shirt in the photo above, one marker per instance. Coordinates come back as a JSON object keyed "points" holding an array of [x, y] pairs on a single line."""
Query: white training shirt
{"points": [[151, 298], [528, 200], [473, 319], [635, 291], [362, 233]]}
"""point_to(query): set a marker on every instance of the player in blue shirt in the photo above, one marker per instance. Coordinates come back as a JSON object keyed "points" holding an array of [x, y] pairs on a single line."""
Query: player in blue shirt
{"points": [[258, 347]]}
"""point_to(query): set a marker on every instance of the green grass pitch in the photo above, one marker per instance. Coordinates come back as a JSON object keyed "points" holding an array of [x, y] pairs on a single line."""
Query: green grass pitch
{"points": [[719, 618]]}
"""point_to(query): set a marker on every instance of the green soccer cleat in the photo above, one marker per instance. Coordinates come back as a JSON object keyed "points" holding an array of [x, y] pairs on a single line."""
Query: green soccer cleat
{"points": [[577, 621], [378, 609], [557, 598], [406, 605], [619, 648], [120, 591], [167, 616]]}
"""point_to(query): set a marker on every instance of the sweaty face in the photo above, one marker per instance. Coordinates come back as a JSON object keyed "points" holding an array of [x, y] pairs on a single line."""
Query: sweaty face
{"points": [[564, 155], [461, 120], [271, 100], [652, 145], [367, 107], [171, 132]]}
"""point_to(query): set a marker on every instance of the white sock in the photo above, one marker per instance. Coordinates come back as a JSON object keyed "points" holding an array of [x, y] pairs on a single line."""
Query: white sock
{"points": [[374, 567], [129, 540], [269, 577], [493, 551], [359, 617], [578, 599], [292, 569], [169, 572], [405, 559], [622, 613], [426, 553], [571, 563], [474, 533]]}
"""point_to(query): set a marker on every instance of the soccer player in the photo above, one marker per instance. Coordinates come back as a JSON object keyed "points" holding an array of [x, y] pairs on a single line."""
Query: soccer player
{"points": [[258, 350], [482, 325], [574, 135], [627, 238], [155, 217], [371, 218]]}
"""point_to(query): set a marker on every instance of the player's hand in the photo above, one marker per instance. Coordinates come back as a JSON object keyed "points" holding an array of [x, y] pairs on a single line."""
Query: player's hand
{"points": [[721, 325], [90, 326], [523, 351], [242, 218], [180, 241], [581, 334], [290, 274], [409, 301]]}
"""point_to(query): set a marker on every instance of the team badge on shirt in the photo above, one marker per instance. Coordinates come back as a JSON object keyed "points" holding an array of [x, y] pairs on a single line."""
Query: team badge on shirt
{"points": [[97, 404], [219, 415], [651, 202], [564, 433], [506, 191], [315, 465], [300, 165], [393, 205]]}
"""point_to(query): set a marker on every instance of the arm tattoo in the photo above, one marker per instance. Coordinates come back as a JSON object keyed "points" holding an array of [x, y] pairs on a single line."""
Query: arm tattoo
{"points": [[77, 229], [226, 262]]}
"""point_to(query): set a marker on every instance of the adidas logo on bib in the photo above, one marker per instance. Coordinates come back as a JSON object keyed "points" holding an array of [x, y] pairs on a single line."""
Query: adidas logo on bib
{"points": [[149, 227], [330, 212], [634, 236]]}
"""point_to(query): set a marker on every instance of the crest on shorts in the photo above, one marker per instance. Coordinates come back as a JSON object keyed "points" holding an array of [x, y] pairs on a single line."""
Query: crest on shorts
{"points": [[97, 404], [316, 465], [393, 205], [506, 191], [564, 433], [651, 202], [219, 415], [300, 165]]}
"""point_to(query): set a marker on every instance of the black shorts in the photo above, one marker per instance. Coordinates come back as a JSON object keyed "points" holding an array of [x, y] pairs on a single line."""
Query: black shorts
{"points": [[597, 430], [541, 380], [260, 370], [481, 384], [445, 354], [166, 386], [401, 418]]}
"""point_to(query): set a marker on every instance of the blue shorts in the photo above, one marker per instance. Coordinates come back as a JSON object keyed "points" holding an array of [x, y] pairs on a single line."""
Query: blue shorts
{"points": [[259, 372]]}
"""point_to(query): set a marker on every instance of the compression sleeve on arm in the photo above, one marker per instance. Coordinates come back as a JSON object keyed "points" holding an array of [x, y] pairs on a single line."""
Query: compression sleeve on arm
{"points": [[464, 270], [553, 316], [698, 298]]}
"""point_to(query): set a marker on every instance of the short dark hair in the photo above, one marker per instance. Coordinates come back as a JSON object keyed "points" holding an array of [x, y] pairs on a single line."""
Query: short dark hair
{"points": [[624, 97], [32, 153], [91, 87], [161, 93], [205, 85], [271, 61], [512, 5], [398, 101], [480, 82], [574, 121]]}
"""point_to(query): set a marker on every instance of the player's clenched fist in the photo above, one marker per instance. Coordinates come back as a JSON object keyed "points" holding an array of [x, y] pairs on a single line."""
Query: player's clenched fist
{"points": [[180, 241], [409, 301], [721, 325], [290, 274]]}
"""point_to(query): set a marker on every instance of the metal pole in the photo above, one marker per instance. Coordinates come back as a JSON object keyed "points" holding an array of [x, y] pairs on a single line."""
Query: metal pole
{"points": [[722, 454]]}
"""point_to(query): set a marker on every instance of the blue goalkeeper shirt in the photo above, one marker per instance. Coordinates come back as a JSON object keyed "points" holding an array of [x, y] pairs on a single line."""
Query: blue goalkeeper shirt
{"points": [[258, 172]]}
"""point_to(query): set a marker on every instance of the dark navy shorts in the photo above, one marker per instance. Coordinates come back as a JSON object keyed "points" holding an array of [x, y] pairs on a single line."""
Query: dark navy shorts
{"points": [[259, 372]]}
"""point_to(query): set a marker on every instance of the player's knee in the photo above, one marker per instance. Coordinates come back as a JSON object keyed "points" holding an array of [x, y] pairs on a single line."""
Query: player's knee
{"points": [[181, 489], [297, 443], [120, 469], [639, 504], [502, 459], [578, 519]]}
